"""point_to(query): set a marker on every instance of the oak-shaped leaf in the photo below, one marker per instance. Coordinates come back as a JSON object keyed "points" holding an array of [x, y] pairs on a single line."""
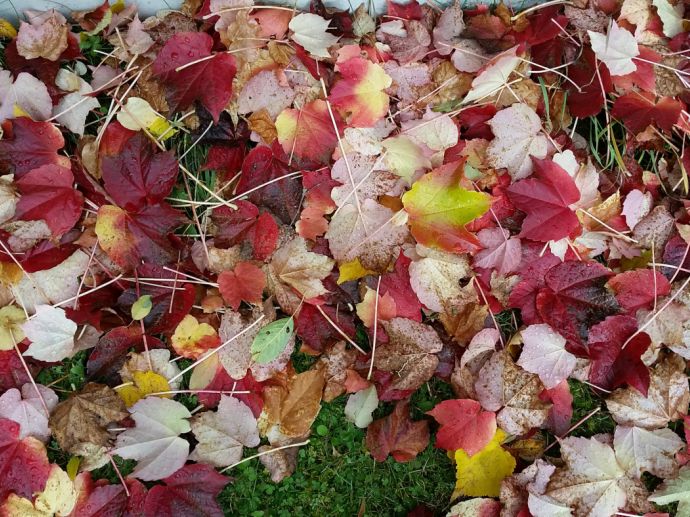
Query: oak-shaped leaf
{"points": [[24, 462], [410, 353], [134, 173], [667, 397], [26, 145], [505, 387], [84, 416], [155, 442], [26, 408], [190, 491], [47, 194], [208, 80], [546, 198], [439, 208], [397, 435], [463, 425], [221, 434]]}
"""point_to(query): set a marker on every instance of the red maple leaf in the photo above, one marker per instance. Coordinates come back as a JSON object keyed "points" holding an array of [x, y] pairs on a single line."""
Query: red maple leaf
{"points": [[209, 80], [397, 435], [191, 491], [225, 159], [223, 382], [546, 198], [638, 110], [26, 145], [261, 171], [463, 425], [639, 288], [114, 345], [315, 330], [524, 294], [245, 282], [587, 95], [574, 298], [24, 465], [317, 203], [615, 347], [408, 11], [245, 226], [47, 194], [135, 175], [396, 284], [100, 499]]}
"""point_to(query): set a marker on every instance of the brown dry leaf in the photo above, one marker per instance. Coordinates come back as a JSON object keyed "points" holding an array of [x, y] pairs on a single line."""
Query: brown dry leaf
{"points": [[294, 265], [337, 360], [454, 84], [163, 27], [397, 435], [280, 464], [45, 36], [607, 209], [295, 407], [281, 53], [667, 398], [410, 353], [83, 417], [261, 123], [466, 318], [503, 384], [151, 90]]}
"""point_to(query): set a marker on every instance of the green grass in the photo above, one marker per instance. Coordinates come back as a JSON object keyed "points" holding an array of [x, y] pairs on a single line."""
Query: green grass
{"points": [[335, 474]]}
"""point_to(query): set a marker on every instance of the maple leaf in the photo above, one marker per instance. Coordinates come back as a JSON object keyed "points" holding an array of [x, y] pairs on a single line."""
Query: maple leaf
{"points": [[397, 284], [26, 145], [671, 17], [481, 474], [308, 133], [409, 353], [546, 198], [51, 334], [191, 338], [616, 49], [263, 171], [58, 498], [359, 93], [301, 269], [439, 208], [26, 94], [591, 481], [640, 450], [222, 434], [368, 232], [502, 385], [638, 110], [47, 194], [191, 491], [23, 462], [26, 408], [361, 179], [435, 279], [155, 441], [129, 238], [245, 282], [73, 108], [309, 31], [517, 132], [246, 226], [83, 417], [404, 157], [374, 307], [208, 81], [45, 36], [666, 400], [544, 353], [615, 348], [675, 490], [463, 425], [135, 175], [501, 251], [397, 435], [493, 78], [144, 383], [639, 288]]}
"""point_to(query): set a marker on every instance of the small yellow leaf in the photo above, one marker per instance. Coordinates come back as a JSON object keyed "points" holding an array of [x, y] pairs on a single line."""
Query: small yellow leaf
{"points": [[17, 112], [11, 319], [73, 467], [145, 383], [10, 273], [7, 30], [481, 475], [191, 338], [353, 270]]}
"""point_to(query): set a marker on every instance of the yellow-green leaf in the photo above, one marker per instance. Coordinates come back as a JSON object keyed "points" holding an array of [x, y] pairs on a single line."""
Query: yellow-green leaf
{"points": [[142, 307], [272, 340], [481, 474]]}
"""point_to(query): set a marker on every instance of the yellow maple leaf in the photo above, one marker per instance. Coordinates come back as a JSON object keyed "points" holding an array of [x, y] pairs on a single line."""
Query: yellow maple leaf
{"points": [[191, 338], [352, 270], [56, 500], [145, 383], [481, 474]]}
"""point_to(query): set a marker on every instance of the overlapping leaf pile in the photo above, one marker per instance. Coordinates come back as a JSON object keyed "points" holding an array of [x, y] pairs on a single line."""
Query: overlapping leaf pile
{"points": [[497, 199]]}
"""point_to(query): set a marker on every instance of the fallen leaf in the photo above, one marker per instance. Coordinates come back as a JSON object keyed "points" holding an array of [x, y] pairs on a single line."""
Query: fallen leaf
{"points": [[309, 30], [51, 334], [544, 353], [616, 49], [463, 425], [26, 408], [360, 407], [397, 435], [481, 474], [191, 338]]}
